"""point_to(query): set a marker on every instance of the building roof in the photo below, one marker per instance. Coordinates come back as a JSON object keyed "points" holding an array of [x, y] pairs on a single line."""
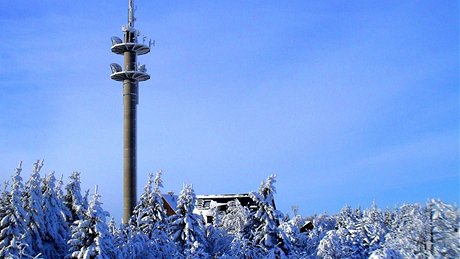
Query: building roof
{"points": [[227, 196]]}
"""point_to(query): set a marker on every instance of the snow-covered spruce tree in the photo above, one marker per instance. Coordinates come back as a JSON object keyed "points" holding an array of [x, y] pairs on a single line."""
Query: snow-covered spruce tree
{"points": [[149, 211], [4, 199], [218, 239], [373, 229], [61, 197], [237, 222], [57, 230], [386, 253], [91, 237], [330, 246], [350, 224], [126, 241], [298, 240], [266, 220], [236, 217], [73, 199], [443, 236], [14, 237], [407, 235], [33, 201], [133, 243], [321, 225], [356, 234], [149, 217], [242, 247], [347, 218], [389, 218], [343, 241], [186, 228]]}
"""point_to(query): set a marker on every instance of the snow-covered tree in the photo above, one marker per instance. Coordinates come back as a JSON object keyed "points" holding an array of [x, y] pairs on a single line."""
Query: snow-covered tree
{"points": [[149, 217], [91, 237], [408, 232], [266, 221], [218, 239], [4, 199], [443, 230], [236, 217], [350, 225], [347, 218], [33, 201], [330, 246], [186, 229], [386, 253], [149, 214], [299, 240], [321, 225], [35, 219], [372, 229], [158, 182], [132, 243], [14, 237], [57, 230], [73, 199]]}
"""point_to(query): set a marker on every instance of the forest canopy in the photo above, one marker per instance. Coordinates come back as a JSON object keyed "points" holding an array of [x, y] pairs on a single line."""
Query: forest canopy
{"points": [[45, 218]]}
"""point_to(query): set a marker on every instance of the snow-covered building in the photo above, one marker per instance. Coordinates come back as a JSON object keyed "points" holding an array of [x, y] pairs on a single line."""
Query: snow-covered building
{"points": [[207, 205], [170, 202]]}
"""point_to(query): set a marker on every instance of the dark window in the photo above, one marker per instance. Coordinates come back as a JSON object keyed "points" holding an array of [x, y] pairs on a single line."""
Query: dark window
{"points": [[206, 204]]}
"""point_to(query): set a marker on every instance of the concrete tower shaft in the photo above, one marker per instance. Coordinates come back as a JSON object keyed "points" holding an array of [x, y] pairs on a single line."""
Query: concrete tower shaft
{"points": [[130, 74], [130, 100]]}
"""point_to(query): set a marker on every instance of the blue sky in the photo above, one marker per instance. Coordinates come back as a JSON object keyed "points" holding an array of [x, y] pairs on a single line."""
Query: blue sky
{"points": [[348, 102]]}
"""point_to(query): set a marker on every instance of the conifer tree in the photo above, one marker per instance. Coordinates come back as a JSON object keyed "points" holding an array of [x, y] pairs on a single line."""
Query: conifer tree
{"points": [[4, 198], [186, 228], [14, 237], [352, 225], [33, 201], [91, 237], [73, 199], [149, 217], [443, 235], [321, 225], [408, 232], [373, 229], [149, 213], [298, 239], [267, 233], [218, 239], [133, 243], [236, 218], [330, 246], [57, 230]]}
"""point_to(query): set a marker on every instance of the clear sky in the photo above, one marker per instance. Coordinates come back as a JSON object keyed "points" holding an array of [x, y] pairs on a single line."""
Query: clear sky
{"points": [[349, 102]]}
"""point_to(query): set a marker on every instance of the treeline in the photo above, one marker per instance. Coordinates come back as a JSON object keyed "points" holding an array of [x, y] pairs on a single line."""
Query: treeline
{"points": [[43, 218]]}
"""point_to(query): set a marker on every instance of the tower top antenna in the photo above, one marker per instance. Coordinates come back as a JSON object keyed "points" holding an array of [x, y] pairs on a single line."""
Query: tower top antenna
{"points": [[131, 17]]}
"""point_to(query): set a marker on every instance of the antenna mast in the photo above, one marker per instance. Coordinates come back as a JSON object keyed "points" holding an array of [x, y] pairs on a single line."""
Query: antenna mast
{"points": [[130, 74], [131, 18]]}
